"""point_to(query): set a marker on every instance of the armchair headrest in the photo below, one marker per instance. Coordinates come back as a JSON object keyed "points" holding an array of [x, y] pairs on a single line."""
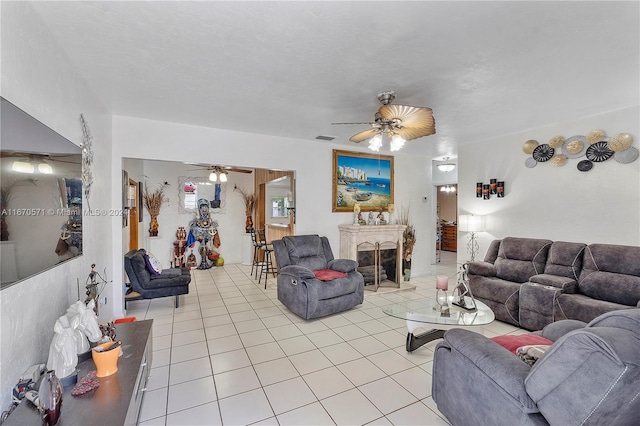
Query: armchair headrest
{"points": [[311, 251]]}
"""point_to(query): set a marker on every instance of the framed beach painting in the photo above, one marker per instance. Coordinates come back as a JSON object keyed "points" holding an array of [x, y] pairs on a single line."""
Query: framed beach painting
{"points": [[361, 179]]}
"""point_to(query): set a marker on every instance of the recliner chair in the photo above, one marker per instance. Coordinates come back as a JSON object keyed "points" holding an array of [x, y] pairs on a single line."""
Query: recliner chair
{"points": [[297, 258], [589, 376], [170, 282]]}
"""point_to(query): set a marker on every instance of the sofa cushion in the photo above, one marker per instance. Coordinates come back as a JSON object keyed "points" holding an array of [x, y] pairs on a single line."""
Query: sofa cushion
{"points": [[583, 308], [337, 287], [565, 259], [611, 273], [520, 258], [306, 251]]}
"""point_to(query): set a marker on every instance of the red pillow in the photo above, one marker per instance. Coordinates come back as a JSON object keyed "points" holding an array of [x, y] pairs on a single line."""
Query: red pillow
{"points": [[328, 274], [512, 343]]}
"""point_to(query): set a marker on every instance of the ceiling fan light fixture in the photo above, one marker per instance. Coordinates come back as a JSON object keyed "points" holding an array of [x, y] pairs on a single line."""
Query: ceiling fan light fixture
{"points": [[223, 177], [375, 143], [396, 142], [45, 168], [446, 167], [22, 167], [213, 177]]}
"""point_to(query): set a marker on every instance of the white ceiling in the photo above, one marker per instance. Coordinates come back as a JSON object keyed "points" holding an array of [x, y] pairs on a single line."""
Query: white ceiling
{"points": [[292, 68]]}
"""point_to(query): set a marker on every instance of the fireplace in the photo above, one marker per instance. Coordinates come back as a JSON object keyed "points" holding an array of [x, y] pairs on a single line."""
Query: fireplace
{"points": [[377, 246]]}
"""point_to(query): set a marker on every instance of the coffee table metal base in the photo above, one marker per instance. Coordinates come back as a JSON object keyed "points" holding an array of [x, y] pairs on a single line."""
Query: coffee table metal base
{"points": [[414, 341]]}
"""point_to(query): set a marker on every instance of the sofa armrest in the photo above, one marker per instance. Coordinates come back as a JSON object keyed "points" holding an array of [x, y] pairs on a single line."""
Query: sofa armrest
{"points": [[484, 269], [297, 271], [557, 329], [567, 285], [343, 265], [501, 367]]}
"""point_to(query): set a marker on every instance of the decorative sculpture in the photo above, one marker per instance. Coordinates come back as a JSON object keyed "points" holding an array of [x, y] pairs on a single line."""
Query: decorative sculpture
{"points": [[203, 230], [63, 357], [88, 322]]}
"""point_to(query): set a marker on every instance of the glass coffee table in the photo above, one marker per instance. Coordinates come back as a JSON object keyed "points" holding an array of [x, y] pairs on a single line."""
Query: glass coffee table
{"points": [[420, 314]]}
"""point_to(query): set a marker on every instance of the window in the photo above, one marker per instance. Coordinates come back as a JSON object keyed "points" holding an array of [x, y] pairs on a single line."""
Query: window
{"points": [[278, 207]]}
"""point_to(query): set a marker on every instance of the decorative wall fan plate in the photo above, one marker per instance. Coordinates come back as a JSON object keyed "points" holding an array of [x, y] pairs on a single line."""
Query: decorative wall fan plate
{"points": [[599, 152], [543, 153]]}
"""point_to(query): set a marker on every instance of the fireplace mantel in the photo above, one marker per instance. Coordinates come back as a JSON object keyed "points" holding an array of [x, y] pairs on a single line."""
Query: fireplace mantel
{"points": [[357, 237]]}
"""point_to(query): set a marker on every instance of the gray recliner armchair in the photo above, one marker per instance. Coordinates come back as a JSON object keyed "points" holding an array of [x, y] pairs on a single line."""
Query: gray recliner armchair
{"points": [[297, 258], [589, 376]]}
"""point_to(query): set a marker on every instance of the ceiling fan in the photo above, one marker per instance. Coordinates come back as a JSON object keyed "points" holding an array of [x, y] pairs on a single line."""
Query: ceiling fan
{"points": [[220, 172], [26, 162], [400, 123]]}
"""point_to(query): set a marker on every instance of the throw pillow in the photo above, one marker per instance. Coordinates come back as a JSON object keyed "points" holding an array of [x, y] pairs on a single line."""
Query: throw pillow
{"points": [[153, 264], [512, 343], [328, 274]]}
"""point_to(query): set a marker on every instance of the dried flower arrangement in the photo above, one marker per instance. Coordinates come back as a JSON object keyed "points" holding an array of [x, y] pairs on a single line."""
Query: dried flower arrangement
{"points": [[153, 201], [249, 198], [409, 235]]}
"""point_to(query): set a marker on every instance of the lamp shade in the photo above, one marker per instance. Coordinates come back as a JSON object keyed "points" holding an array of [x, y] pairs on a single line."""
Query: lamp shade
{"points": [[470, 223], [446, 167]]}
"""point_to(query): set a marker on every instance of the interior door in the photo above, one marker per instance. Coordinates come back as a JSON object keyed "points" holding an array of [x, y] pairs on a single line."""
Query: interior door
{"points": [[133, 214]]}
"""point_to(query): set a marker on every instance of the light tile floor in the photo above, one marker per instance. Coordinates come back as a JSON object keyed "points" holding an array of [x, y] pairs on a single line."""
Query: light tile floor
{"points": [[232, 354]]}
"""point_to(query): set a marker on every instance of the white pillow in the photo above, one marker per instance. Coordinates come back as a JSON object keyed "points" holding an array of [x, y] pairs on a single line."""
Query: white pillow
{"points": [[154, 266]]}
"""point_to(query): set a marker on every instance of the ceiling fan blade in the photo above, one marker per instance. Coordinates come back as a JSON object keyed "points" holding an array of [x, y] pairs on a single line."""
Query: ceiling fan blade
{"points": [[416, 122], [234, 169], [362, 122], [363, 136], [408, 133]]}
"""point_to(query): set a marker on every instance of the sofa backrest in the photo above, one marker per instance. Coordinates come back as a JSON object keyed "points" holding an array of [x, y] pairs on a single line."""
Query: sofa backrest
{"points": [[565, 259], [136, 269], [311, 251], [521, 258], [492, 251], [611, 273]]}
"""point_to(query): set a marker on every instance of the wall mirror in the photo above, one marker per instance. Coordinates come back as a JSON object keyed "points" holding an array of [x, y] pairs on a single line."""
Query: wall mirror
{"points": [[191, 189], [41, 196]]}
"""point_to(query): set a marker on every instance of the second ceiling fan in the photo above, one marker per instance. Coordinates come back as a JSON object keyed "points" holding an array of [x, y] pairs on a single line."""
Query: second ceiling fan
{"points": [[400, 123]]}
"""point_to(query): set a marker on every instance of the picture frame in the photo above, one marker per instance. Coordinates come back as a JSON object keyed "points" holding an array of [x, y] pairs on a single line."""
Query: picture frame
{"points": [[362, 179]]}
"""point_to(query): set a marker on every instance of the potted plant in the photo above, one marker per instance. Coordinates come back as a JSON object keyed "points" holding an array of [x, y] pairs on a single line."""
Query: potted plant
{"points": [[153, 201], [250, 200]]}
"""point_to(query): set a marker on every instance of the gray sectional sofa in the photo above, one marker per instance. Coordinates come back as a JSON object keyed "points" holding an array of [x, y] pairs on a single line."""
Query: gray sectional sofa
{"points": [[532, 282]]}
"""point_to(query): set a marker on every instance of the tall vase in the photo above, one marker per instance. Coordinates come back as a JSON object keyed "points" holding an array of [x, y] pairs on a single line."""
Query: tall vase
{"points": [[153, 226], [50, 395], [248, 224]]}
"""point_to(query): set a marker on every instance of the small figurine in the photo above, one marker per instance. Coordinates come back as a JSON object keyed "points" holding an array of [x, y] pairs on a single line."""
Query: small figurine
{"points": [[192, 262], [371, 220], [381, 220], [361, 221]]}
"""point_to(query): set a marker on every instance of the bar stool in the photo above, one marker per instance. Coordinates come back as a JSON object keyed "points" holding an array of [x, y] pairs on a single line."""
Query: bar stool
{"points": [[256, 253], [266, 264]]}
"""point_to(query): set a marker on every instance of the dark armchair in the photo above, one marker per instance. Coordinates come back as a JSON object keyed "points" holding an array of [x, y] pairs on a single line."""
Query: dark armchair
{"points": [[170, 282], [590, 375], [299, 289]]}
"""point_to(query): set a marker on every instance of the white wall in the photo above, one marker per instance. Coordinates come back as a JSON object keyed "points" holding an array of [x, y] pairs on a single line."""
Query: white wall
{"points": [[312, 162], [38, 78], [231, 219], [557, 203]]}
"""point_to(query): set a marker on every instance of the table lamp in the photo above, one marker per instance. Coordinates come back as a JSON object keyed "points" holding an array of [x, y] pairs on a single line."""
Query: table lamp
{"points": [[471, 224]]}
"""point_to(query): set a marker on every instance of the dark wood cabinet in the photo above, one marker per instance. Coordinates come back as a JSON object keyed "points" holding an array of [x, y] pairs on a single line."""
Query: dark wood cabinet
{"points": [[449, 237]]}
